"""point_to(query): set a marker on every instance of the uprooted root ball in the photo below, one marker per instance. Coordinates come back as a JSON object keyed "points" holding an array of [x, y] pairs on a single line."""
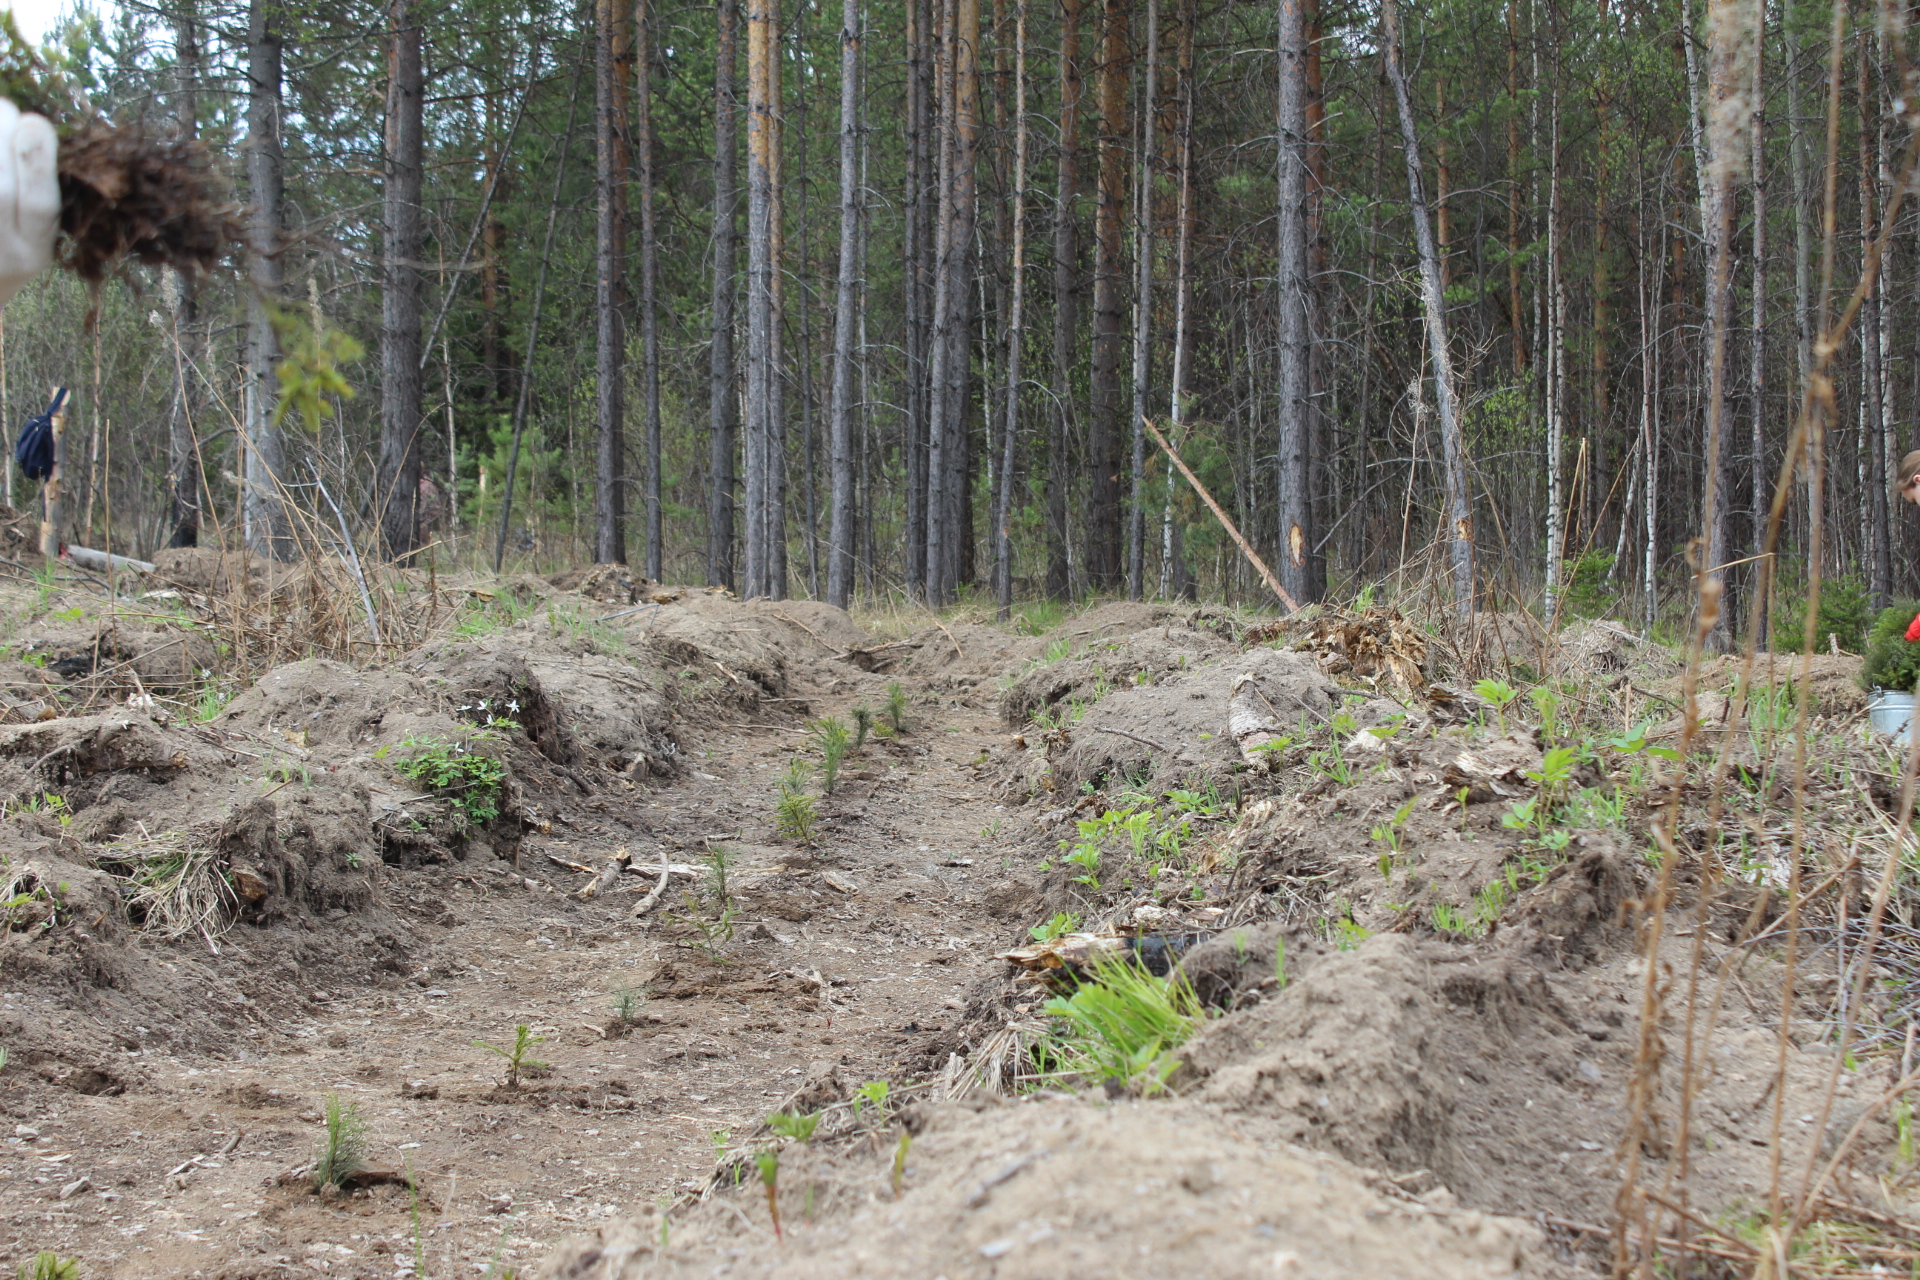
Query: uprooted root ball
{"points": [[127, 192]]}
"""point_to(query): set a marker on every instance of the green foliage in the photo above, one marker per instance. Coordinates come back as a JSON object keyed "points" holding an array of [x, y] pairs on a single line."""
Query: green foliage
{"points": [[468, 781], [309, 369], [1891, 662], [1846, 604], [517, 1059], [833, 738], [1061, 923], [798, 1126], [628, 1002], [1499, 693], [793, 816], [862, 726], [897, 707], [343, 1151], [1122, 1025], [48, 1265], [1584, 589], [900, 1149]]}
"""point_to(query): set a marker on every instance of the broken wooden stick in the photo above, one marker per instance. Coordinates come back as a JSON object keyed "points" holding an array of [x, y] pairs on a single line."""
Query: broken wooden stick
{"points": [[1133, 737], [1233, 531], [646, 904]]}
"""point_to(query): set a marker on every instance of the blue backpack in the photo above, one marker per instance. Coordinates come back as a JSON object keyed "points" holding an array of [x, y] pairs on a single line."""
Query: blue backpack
{"points": [[34, 453]]}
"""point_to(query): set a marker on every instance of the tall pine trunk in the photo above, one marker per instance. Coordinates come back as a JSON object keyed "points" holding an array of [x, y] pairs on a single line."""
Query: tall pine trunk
{"points": [[917, 247], [264, 520], [1293, 301], [1109, 302], [398, 483], [761, 51], [1016, 325], [609, 278], [183, 454], [649, 278], [1143, 310], [722, 402], [1066, 302], [846, 290]]}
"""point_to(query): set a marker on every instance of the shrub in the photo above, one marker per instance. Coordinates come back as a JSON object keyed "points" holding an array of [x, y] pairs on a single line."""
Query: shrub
{"points": [[1892, 663], [1845, 607]]}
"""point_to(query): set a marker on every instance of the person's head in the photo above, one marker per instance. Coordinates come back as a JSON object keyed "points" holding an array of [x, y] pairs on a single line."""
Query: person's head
{"points": [[1906, 481]]}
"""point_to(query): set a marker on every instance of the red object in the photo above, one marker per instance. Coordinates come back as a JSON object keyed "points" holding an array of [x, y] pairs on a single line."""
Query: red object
{"points": [[1913, 631]]}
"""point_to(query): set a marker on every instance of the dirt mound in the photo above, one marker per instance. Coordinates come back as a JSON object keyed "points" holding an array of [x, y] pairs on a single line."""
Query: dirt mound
{"points": [[605, 583], [962, 655], [209, 571], [1055, 1186]]}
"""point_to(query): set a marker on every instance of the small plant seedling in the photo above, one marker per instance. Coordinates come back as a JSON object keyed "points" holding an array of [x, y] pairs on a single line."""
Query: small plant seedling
{"points": [[343, 1151], [796, 1125], [834, 741], [794, 816], [1280, 962], [471, 783], [48, 1265], [1062, 922], [897, 707], [900, 1149], [1499, 694], [862, 726], [719, 862], [1347, 934], [517, 1059], [628, 1002], [769, 1162], [872, 1094]]}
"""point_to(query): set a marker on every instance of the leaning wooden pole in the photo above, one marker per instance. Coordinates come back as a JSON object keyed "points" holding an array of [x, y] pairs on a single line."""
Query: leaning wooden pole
{"points": [[1226, 522], [53, 516]]}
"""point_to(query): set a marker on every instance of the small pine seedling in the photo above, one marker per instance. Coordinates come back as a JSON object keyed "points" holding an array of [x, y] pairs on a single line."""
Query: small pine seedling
{"points": [[517, 1059], [48, 1265], [769, 1162], [897, 707], [862, 726], [833, 736], [793, 818], [628, 1002], [343, 1152], [719, 862]]}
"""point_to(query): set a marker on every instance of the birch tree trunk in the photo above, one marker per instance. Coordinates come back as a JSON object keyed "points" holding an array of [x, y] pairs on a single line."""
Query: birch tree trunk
{"points": [[398, 483], [263, 521], [1459, 504], [840, 446], [722, 400]]}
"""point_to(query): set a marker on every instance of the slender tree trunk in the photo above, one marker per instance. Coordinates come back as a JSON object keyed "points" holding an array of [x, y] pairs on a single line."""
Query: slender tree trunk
{"points": [[1872, 396], [1066, 302], [183, 455], [1171, 559], [761, 51], [841, 530], [609, 274], [1554, 350], [722, 402], [963, 283], [1143, 310], [649, 278], [1760, 498], [917, 248], [809, 460], [1109, 301], [941, 552], [264, 519], [1294, 507], [776, 528], [401, 416], [1516, 312], [1016, 324], [1459, 505]]}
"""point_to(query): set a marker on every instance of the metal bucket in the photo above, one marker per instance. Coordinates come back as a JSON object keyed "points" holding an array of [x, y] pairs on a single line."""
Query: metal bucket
{"points": [[1892, 714]]}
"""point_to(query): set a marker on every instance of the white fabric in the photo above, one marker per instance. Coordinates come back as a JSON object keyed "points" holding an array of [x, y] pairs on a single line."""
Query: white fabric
{"points": [[29, 197]]}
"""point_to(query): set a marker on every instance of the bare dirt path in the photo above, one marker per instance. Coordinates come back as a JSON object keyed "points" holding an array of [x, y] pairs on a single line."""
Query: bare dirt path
{"points": [[888, 910]]}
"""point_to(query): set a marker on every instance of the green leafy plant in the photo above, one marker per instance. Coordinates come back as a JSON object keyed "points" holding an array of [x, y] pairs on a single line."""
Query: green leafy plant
{"points": [[1390, 833], [1062, 922], [517, 1059], [798, 1126], [1497, 693], [872, 1096], [769, 1163], [48, 1265], [1122, 1025], [343, 1151], [1891, 662], [862, 726], [469, 781], [1086, 856], [1348, 934], [897, 707], [831, 733]]}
